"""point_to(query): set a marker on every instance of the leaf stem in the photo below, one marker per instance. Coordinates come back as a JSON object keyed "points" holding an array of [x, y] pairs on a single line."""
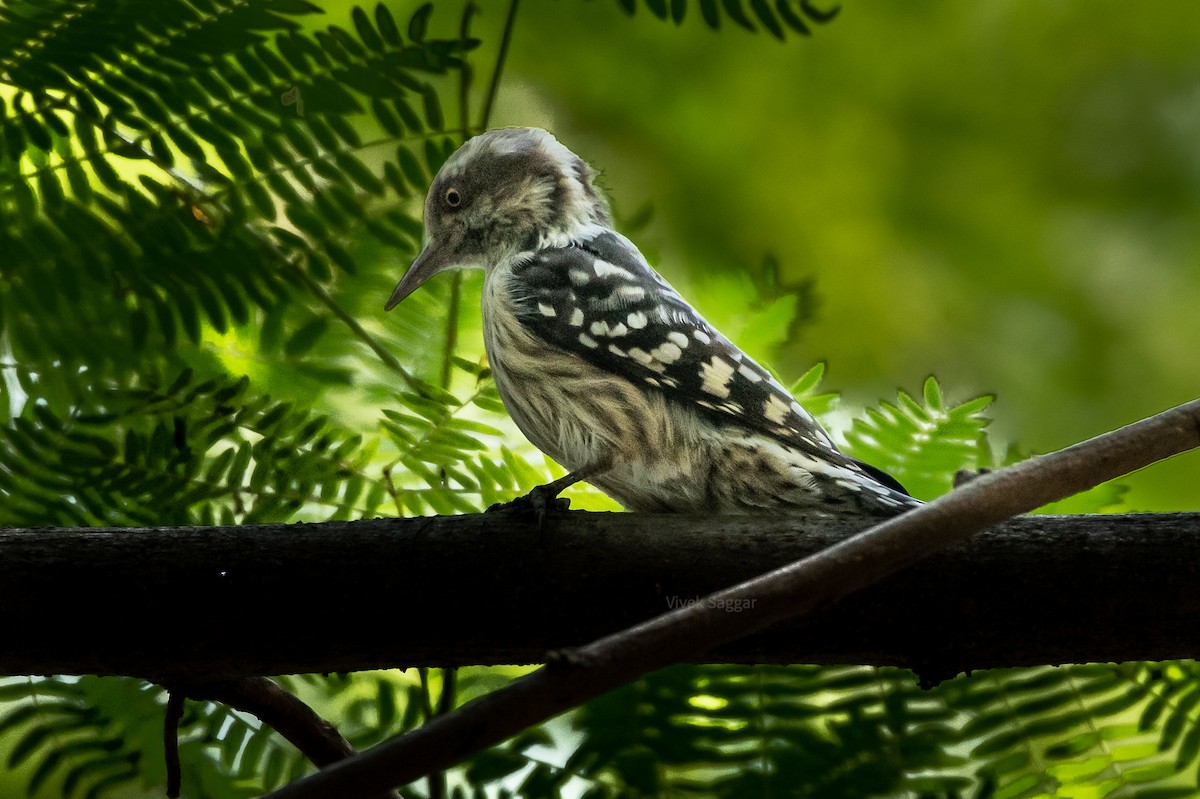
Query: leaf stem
{"points": [[465, 74], [318, 291], [451, 342], [501, 57]]}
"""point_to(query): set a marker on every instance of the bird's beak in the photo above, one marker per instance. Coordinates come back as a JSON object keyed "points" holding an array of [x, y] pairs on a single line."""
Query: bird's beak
{"points": [[435, 257]]}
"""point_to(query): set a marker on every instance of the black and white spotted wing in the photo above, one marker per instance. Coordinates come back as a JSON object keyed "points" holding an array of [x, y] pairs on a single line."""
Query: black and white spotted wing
{"points": [[600, 300]]}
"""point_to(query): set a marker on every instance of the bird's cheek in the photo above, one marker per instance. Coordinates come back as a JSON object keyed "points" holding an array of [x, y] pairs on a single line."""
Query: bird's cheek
{"points": [[475, 242]]}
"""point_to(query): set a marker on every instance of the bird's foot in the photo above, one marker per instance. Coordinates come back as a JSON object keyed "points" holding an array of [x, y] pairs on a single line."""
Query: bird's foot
{"points": [[964, 476], [538, 502]]}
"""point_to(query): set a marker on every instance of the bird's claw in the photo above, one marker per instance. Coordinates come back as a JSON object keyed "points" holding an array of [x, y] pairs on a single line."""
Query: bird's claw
{"points": [[538, 502], [964, 476]]}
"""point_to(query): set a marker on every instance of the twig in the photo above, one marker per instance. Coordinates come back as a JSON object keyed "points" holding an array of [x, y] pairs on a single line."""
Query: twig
{"points": [[266, 700], [486, 116], [437, 779], [450, 343], [803, 587], [171, 719], [449, 689], [318, 291], [465, 74]]}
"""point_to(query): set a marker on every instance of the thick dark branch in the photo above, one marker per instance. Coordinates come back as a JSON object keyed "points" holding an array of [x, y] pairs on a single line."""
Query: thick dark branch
{"points": [[207, 603], [802, 588]]}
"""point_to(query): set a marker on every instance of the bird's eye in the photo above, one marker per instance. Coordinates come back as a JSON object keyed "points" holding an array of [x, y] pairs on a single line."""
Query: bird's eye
{"points": [[453, 198]]}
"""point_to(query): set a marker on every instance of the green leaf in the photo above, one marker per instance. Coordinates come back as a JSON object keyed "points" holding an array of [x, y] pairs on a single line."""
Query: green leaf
{"points": [[762, 10], [733, 8], [369, 36], [305, 338], [387, 25], [419, 23], [410, 166], [433, 109], [359, 173]]}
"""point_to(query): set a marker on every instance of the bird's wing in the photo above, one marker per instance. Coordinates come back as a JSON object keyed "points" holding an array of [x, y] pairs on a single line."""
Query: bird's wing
{"points": [[600, 300]]}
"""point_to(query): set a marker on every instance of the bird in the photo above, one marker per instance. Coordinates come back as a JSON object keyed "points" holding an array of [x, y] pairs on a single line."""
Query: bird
{"points": [[605, 367]]}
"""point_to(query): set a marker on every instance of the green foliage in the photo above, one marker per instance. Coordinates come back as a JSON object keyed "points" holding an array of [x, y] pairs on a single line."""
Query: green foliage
{"points": [[776, 18], [203, 206], [210, 163], [925, 443], [861, 732], [180, 454], [449, 460], [92, 737]]}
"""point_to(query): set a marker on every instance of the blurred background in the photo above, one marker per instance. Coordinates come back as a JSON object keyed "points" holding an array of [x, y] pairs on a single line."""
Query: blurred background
{"points": [[1002, 194]]}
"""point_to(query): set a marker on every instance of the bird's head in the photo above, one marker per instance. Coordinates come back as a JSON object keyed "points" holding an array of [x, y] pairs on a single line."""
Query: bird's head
{"points": [[503, 192]]}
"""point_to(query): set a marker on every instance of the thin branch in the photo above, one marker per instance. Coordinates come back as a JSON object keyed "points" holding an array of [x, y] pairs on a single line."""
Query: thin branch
{"points": [[389, 360], [466, 74], [266, 700], [450, 343], [449, 690], [494, 86], [436, 780], [807, 586], [171, 719]]}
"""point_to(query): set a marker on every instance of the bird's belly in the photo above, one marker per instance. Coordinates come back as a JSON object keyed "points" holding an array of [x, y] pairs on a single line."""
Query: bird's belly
{"points": [[580, 415], [659, 456]]}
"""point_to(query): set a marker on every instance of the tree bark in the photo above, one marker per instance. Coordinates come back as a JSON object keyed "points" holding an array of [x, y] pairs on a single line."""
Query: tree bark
{"points": [[219, 602], [803, 589]]}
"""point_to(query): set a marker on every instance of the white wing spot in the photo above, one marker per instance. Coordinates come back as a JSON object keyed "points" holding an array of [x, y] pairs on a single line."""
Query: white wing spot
{"points": [[667, 353], [599, 328], [577, 317], [631, 293], [587, 341], [748, 373], [652, 381], [618, 330], [578, 276], [701, 336], [547, 310], [641, 356], [679, 339], [732, 407], [605, 268], [716, 375], [636, 320], [775, 409], [615, 350]]}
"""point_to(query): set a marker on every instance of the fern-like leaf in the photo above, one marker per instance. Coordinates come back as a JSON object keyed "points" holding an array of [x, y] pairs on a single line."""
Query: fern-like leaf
{"points": [[923, 444], [775, 17]]}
